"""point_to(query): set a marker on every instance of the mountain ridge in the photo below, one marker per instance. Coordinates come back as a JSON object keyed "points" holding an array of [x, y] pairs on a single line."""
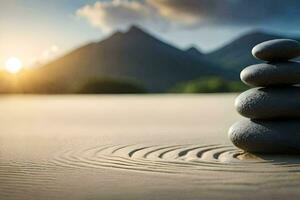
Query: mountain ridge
{"points": [[134, 54], [137, 55], [236, 54]]}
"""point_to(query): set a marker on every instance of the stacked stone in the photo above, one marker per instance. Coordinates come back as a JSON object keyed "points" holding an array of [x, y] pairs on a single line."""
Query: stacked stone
{"points": [[274, 105]]}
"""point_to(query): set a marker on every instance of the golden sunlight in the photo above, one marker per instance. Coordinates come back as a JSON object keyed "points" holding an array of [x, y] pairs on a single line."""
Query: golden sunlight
{"points": [[13, 65]]}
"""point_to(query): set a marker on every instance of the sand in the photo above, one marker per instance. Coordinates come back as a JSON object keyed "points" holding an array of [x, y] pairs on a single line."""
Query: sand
{"points": [[133, 147]]}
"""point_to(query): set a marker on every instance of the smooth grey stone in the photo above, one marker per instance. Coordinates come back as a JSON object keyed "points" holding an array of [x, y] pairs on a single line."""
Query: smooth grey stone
{"points": [[269, 103], [268, 74], [277, 50], [256, 136]]}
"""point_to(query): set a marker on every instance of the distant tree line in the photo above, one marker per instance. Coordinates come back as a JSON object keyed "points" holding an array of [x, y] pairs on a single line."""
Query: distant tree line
{"points": [[29, 83], [111, 86], [209, 85]]}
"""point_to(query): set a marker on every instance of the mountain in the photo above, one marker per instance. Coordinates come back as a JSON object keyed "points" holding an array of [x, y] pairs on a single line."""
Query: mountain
{"points": [[193, 51], [236, 55], [134, 54]]}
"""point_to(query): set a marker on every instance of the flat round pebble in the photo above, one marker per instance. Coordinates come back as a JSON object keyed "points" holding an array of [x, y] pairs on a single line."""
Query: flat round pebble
{"points": [[269, 74], [277, 50], [267, 136], [269, 103]]}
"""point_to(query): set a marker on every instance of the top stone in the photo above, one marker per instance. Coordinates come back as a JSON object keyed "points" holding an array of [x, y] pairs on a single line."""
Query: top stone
{"points": [[277, 50]]}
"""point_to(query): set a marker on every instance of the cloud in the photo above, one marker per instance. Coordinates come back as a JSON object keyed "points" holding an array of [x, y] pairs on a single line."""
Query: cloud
{"points": [[114, 14], [119, 14], [227, 11], [186, 12]]}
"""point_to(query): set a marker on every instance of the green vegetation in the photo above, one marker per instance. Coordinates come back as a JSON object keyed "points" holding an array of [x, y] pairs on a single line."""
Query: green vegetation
{"points": [[209, 85], [111, 86], [31, 83]]}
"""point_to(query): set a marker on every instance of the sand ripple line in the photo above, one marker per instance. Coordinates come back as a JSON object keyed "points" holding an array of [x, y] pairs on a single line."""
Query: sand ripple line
{"points": [[175, 159]]}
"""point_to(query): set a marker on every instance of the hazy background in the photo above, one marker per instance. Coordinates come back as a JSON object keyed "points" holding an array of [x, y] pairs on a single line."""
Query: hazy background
{"points": [[36, 31], [135, 46]]}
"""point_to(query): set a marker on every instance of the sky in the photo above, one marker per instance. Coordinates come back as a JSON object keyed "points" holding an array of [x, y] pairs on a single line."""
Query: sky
{"points": [[37, 31]]}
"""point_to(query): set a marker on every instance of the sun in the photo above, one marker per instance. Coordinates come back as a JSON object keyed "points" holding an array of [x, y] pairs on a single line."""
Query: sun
{"points": [[13, 65]]}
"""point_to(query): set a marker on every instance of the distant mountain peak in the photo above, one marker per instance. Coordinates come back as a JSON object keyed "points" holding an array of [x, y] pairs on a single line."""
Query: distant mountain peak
{"points": [[194, 51], [136, 33], [133, 32], [134, 29]]}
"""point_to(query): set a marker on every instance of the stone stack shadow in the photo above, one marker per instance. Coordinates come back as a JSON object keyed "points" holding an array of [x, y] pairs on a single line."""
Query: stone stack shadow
{"points": [[273, 106]]}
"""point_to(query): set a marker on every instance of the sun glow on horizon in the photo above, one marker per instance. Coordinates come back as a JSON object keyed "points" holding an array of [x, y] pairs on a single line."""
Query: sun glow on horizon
{"points": [[13, 65]]}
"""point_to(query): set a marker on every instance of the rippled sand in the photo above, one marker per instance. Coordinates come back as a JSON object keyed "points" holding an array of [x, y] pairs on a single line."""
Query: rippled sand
{"points": [[133, 147]]}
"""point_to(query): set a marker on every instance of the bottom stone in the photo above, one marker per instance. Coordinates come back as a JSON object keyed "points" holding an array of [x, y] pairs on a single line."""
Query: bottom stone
{"points": [[257, 136]]}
